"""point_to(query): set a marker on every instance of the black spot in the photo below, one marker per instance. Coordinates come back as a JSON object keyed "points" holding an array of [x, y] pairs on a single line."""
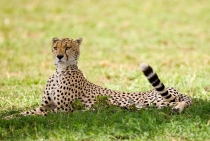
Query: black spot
{"points": [[49, 98], [46, 102], [42, 110]]}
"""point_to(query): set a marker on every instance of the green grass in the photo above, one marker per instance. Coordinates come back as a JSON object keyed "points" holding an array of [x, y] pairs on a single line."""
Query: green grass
{"points": [[172, 36]]}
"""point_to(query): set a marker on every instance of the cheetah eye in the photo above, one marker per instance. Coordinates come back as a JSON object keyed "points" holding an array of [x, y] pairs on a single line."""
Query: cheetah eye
{"points": [[55, 48], [67, 48]]}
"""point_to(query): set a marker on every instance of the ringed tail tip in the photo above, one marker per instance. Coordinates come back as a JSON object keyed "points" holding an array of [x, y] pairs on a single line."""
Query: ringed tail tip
{"points": [[144, 66]]}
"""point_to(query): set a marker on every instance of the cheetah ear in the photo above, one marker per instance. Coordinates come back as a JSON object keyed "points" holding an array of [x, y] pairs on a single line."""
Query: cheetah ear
{"points": [[79, 41], [55, 39]]}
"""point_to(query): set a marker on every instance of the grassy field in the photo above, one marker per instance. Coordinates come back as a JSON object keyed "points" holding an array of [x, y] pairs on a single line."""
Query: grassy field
{"points": [[172, 36]]}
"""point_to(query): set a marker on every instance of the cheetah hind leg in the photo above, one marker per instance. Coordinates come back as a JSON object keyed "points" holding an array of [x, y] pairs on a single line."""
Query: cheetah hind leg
{"points": [[179, 107]]}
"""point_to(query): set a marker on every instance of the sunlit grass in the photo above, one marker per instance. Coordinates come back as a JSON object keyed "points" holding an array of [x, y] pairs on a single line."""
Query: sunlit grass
{"points": [[172, 36]]}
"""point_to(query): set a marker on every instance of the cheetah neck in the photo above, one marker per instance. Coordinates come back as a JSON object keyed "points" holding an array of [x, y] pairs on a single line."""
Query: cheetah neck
{"points": [[63, 67]]}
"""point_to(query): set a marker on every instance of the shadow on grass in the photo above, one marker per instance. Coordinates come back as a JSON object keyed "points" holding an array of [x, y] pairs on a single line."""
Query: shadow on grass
{"points": [[112, 123]]}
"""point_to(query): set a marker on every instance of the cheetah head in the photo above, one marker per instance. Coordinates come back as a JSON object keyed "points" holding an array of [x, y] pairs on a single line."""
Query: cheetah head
{"points": [[66, 51]]}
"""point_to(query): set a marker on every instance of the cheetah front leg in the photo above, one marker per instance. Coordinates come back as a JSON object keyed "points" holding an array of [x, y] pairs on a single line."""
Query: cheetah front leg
{"points": [[42, 110], [62, 106], [62, 98], [47, 104]]}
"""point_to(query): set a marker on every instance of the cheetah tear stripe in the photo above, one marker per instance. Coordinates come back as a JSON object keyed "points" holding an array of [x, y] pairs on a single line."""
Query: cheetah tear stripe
{"points": [[156, 83]]}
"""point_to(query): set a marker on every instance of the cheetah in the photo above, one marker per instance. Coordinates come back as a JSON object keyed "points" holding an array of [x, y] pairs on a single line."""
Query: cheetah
{"points": [[68, 84]]}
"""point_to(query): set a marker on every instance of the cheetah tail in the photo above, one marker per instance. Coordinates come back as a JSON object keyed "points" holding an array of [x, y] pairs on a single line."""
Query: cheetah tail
{"points": [[155, 81]]}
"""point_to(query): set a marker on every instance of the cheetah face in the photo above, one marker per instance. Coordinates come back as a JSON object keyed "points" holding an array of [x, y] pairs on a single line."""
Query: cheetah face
{"points": [[66, 51]]}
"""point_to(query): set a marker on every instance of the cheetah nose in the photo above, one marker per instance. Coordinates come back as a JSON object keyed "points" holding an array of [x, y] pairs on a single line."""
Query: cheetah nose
{"points": [[59, 56]]}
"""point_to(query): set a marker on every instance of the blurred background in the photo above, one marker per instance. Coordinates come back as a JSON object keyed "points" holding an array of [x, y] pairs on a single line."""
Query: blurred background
{"points": [[172, 36]]}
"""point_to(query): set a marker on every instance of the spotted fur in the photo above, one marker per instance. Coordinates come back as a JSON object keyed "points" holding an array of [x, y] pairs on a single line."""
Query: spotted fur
{"points": [[68, 84]]}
